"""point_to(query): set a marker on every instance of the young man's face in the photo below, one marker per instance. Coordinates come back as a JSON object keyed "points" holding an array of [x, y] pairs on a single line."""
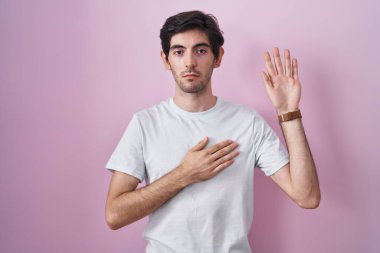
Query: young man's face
{"points": [[191, 60]]}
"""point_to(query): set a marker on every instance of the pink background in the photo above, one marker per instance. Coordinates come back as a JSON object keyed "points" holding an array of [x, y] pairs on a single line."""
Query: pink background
{"points": [[73, 72]]}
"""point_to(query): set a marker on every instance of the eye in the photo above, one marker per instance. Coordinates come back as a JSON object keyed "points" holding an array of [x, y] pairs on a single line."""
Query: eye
{"points": [[201, 51], [177, 52]]}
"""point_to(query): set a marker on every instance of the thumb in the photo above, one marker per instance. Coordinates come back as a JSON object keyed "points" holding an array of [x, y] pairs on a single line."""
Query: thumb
{"points": [[266, 80], [200, 145], [268, 83]]}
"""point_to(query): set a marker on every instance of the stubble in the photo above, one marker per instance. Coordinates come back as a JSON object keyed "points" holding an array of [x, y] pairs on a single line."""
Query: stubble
{"points": [[197, 85]]}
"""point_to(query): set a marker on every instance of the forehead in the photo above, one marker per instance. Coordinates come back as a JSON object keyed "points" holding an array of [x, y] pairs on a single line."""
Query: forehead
{"points": [[189, 38]]}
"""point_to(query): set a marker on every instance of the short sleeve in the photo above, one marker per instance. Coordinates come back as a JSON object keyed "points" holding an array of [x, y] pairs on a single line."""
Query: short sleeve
{"points": [[128, 154], [270, 154]]}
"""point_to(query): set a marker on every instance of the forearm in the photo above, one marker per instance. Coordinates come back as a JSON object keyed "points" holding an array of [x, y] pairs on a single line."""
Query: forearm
{"points": [[303, 175], [132, 206]]}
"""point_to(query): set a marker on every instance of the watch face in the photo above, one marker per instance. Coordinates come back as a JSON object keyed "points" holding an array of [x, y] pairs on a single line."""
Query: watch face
{"points": [[289, 116]]}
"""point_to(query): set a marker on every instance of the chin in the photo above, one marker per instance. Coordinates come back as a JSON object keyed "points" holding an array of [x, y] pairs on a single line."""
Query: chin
{"points": [[192, 88]]}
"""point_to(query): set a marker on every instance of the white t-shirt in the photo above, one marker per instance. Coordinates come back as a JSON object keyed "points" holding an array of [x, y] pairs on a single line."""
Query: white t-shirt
{"points": [[209, 216]]}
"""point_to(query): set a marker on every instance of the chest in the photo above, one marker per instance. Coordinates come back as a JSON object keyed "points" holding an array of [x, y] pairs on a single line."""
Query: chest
{"points": [[166, 142]]}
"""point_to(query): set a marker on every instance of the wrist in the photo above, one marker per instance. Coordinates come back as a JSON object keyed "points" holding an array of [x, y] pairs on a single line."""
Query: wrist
{"points": [[289, 116], [181, 176], [286, 110]]}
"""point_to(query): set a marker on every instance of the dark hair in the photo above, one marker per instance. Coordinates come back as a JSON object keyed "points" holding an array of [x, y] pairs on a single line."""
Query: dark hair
{"points": [[184, 21]]}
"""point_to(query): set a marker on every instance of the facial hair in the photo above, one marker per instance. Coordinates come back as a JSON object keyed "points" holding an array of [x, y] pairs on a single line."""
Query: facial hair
{"points": [[194, 86]]}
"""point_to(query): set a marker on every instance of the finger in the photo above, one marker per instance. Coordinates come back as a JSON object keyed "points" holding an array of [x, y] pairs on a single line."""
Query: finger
{"points": [[266, 79], [226, 158], [288, 64], [224, 151], [200, 145], [222, 166], [277, 60], [268, 63], [218, 146], [295, 68]]}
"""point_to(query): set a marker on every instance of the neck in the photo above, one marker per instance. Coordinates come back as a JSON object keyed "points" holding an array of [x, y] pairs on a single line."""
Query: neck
{"points": [[194, 102]]}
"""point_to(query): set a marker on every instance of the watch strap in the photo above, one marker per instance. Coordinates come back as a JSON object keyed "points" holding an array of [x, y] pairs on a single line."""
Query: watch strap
{"points": [[289, 116]]}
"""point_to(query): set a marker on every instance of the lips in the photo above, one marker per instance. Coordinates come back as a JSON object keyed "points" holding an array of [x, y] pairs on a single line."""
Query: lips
{"points": [[190, 75]]}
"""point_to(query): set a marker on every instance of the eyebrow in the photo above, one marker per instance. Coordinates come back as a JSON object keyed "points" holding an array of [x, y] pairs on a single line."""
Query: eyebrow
{"points": [[202, 44]]}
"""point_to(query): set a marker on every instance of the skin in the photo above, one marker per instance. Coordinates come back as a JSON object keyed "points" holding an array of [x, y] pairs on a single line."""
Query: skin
{"points": [[191, 62], [299, 177], [191, 53]]}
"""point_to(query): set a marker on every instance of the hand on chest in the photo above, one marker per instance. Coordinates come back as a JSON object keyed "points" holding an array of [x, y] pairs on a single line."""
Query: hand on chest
{"points": [[167, 145]]}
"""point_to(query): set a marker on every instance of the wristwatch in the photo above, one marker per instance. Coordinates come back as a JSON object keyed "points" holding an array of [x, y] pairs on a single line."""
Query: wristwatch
{"points": [[289, 116]]}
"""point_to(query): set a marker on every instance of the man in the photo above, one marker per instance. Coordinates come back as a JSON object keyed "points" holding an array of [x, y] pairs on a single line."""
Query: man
{"points": [[197, 151]]}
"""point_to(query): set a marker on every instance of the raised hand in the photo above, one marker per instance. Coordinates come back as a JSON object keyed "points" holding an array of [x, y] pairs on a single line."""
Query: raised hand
{"points": [[282, 84], [202, 163]]}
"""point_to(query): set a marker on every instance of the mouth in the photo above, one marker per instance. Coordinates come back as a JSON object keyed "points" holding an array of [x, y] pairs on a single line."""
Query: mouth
{"points": [[191, 75]]}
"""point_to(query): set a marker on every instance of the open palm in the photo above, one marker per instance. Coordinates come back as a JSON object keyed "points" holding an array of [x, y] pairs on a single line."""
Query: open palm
{"points": [[282, 85]]}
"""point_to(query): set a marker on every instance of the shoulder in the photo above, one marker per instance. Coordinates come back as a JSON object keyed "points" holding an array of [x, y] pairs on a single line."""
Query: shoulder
{"points": [[240, 109], [244, 113], [152, 112]]}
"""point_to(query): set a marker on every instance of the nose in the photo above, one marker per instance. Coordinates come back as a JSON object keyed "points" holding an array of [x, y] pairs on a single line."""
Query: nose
{"points": [[190, 60]]}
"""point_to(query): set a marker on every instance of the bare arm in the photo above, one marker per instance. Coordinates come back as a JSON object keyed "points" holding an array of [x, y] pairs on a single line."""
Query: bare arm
{"points": [[299, 177], [125, 204]]}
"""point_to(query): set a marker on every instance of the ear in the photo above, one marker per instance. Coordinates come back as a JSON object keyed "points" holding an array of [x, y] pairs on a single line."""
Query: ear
{"points": [[219, 60], [166, 63]]}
